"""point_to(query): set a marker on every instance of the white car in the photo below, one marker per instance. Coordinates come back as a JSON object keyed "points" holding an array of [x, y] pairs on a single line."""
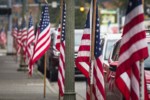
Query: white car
{"points": [[107, 42]]}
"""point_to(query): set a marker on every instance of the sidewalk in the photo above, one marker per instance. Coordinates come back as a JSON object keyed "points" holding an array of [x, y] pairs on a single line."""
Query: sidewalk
{"points": [[16, 85]]}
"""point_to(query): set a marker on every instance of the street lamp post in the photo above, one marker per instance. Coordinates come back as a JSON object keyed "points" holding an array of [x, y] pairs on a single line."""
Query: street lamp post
{"points": [[69, 52]]}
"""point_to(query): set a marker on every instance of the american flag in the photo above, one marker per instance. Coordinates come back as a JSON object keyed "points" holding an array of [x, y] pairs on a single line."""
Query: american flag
{"points": [[3, 39], [61, 68], [83, 59], [30, 39], [18, 39], [58, 38], [15, 31], [24, 36], [23, 31], [14, 34], [43, 38], [98, 88], [133, 49]]}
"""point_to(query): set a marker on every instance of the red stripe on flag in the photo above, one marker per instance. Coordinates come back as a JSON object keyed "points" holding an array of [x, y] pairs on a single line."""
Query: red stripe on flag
{"points": [[136, 20]]}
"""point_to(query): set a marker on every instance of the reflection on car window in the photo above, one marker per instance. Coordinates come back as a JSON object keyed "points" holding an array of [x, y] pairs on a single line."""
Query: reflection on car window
{"points": [[109, 46]]}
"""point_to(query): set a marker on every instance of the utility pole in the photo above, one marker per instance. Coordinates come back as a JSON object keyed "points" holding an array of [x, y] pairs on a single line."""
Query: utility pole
{"points": [[69, 52]]}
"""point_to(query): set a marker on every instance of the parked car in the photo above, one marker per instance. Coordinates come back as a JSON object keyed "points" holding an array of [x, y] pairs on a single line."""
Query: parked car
{"points": [[107, 42], [54, 56], [111, 89]]}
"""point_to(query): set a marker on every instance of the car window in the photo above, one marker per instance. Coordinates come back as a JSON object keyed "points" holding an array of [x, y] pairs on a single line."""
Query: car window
{"points": [[102, 43], [116, 49], [115, 55], [109, 47], [147, 60]]}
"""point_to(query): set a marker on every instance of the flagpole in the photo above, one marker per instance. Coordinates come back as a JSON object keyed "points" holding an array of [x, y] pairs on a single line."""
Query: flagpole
{"points": [[142, 80], [143, 3], [142, 94], [92, 47], [45, 74], [61, 8]]}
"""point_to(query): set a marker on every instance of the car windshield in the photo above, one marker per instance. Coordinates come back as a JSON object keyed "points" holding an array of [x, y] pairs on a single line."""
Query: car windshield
{"points": [[109, 47], [147, 61]]}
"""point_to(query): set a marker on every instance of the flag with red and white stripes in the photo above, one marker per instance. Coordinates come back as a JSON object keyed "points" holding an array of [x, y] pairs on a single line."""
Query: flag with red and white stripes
{"points": [[58, 38], [18, 39], [23, 31], [98, 76], [3, 38], [83, 57], [61, 67], [43, 37], [133, 49], [30, 39], [24, 37], [14, 34], [83, 62], [15, 31]]}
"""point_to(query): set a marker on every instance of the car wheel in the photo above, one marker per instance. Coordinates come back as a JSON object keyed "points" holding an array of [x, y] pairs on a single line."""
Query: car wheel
{"points": [[52, 75]]}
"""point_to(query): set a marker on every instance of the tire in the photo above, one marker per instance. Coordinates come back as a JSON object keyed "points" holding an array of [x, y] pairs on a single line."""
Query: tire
{"points": [[52, 75]]}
